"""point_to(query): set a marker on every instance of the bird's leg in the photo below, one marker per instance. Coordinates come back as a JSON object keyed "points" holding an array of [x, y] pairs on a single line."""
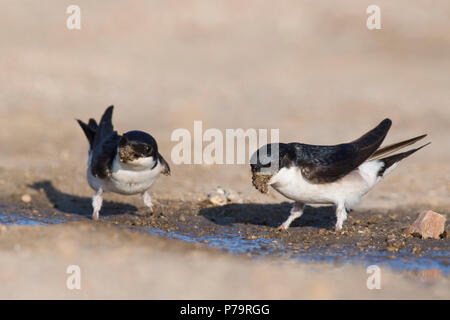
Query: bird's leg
{"points": [[296, 212], [147, 200], [97, 201], [341, 216]]}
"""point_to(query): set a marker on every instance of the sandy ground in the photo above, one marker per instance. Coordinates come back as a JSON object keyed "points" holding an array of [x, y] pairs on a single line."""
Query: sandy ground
{"points": [[311, 70]]}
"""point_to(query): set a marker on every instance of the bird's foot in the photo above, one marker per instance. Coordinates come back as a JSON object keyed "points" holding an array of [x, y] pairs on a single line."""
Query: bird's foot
{"points": [[296, 212], [97, 202], [341, 216], [338, 227], [148, 201], [150, 207], [95, 215], [283, 227]]}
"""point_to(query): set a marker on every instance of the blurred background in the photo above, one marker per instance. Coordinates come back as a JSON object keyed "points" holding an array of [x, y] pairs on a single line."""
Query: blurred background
{"points": [[309, 68]]}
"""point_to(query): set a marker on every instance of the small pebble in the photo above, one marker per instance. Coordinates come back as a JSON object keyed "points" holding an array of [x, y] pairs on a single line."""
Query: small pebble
{"points": [[392, 249], [26, 198], [218, 199]]}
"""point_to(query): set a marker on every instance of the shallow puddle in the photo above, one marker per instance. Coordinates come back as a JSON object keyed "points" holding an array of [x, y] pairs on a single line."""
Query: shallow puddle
{"points": [[230, 240], [261, 246], [29, 221]]}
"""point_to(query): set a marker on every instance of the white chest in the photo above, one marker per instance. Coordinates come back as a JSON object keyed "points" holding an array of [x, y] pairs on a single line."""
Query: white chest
{"points": [[290, 183], [128, 179]]}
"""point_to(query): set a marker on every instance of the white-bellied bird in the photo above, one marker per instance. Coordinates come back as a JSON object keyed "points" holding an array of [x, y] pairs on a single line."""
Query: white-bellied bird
{"points": [[336, 174], [126, 164]]}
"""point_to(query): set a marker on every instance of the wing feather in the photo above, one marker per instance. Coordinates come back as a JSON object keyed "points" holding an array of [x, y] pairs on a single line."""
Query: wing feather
{"points": [[165, 165], [103, 156], [322, 164]]}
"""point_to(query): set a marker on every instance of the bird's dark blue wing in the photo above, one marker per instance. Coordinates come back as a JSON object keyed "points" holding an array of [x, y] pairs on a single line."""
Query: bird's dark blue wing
{"points": [[322, 164], [165, 165], [103, 156]]}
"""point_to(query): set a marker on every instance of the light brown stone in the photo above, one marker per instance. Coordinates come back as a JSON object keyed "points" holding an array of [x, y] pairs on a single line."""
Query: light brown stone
{"points": [[429, 224]]}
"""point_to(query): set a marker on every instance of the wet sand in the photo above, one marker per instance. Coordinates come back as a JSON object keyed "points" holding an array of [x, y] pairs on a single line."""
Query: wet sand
{"points": [[119, 264], [251, 228]]}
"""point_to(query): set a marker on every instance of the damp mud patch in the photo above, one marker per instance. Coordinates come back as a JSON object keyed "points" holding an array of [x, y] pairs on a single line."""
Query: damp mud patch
{"points": [[260, 182], [368, 237], [126, 154]]}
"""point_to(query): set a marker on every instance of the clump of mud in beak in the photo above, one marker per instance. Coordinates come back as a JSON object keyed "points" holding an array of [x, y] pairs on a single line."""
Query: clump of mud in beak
{"points": [[260, 181], [126, 154]]}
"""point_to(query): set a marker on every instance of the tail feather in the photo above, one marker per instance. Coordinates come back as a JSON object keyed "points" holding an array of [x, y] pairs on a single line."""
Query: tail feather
{"points": [[88, 131], [391, 160], [93, 124], [394, 147], [105, 128], [94, 132]]}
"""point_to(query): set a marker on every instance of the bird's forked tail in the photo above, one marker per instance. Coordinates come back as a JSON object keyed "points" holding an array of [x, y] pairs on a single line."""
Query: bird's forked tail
{"points": [[391, 160]]}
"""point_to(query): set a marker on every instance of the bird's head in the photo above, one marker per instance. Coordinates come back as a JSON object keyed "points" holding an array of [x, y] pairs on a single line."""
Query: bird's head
{"points": [[265, 163], [270, 158], [261, 160], [137, 147]]}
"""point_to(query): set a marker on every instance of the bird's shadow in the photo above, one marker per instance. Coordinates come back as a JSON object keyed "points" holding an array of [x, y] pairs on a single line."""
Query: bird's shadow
{"points": [[272, 215], [82, 206]]}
